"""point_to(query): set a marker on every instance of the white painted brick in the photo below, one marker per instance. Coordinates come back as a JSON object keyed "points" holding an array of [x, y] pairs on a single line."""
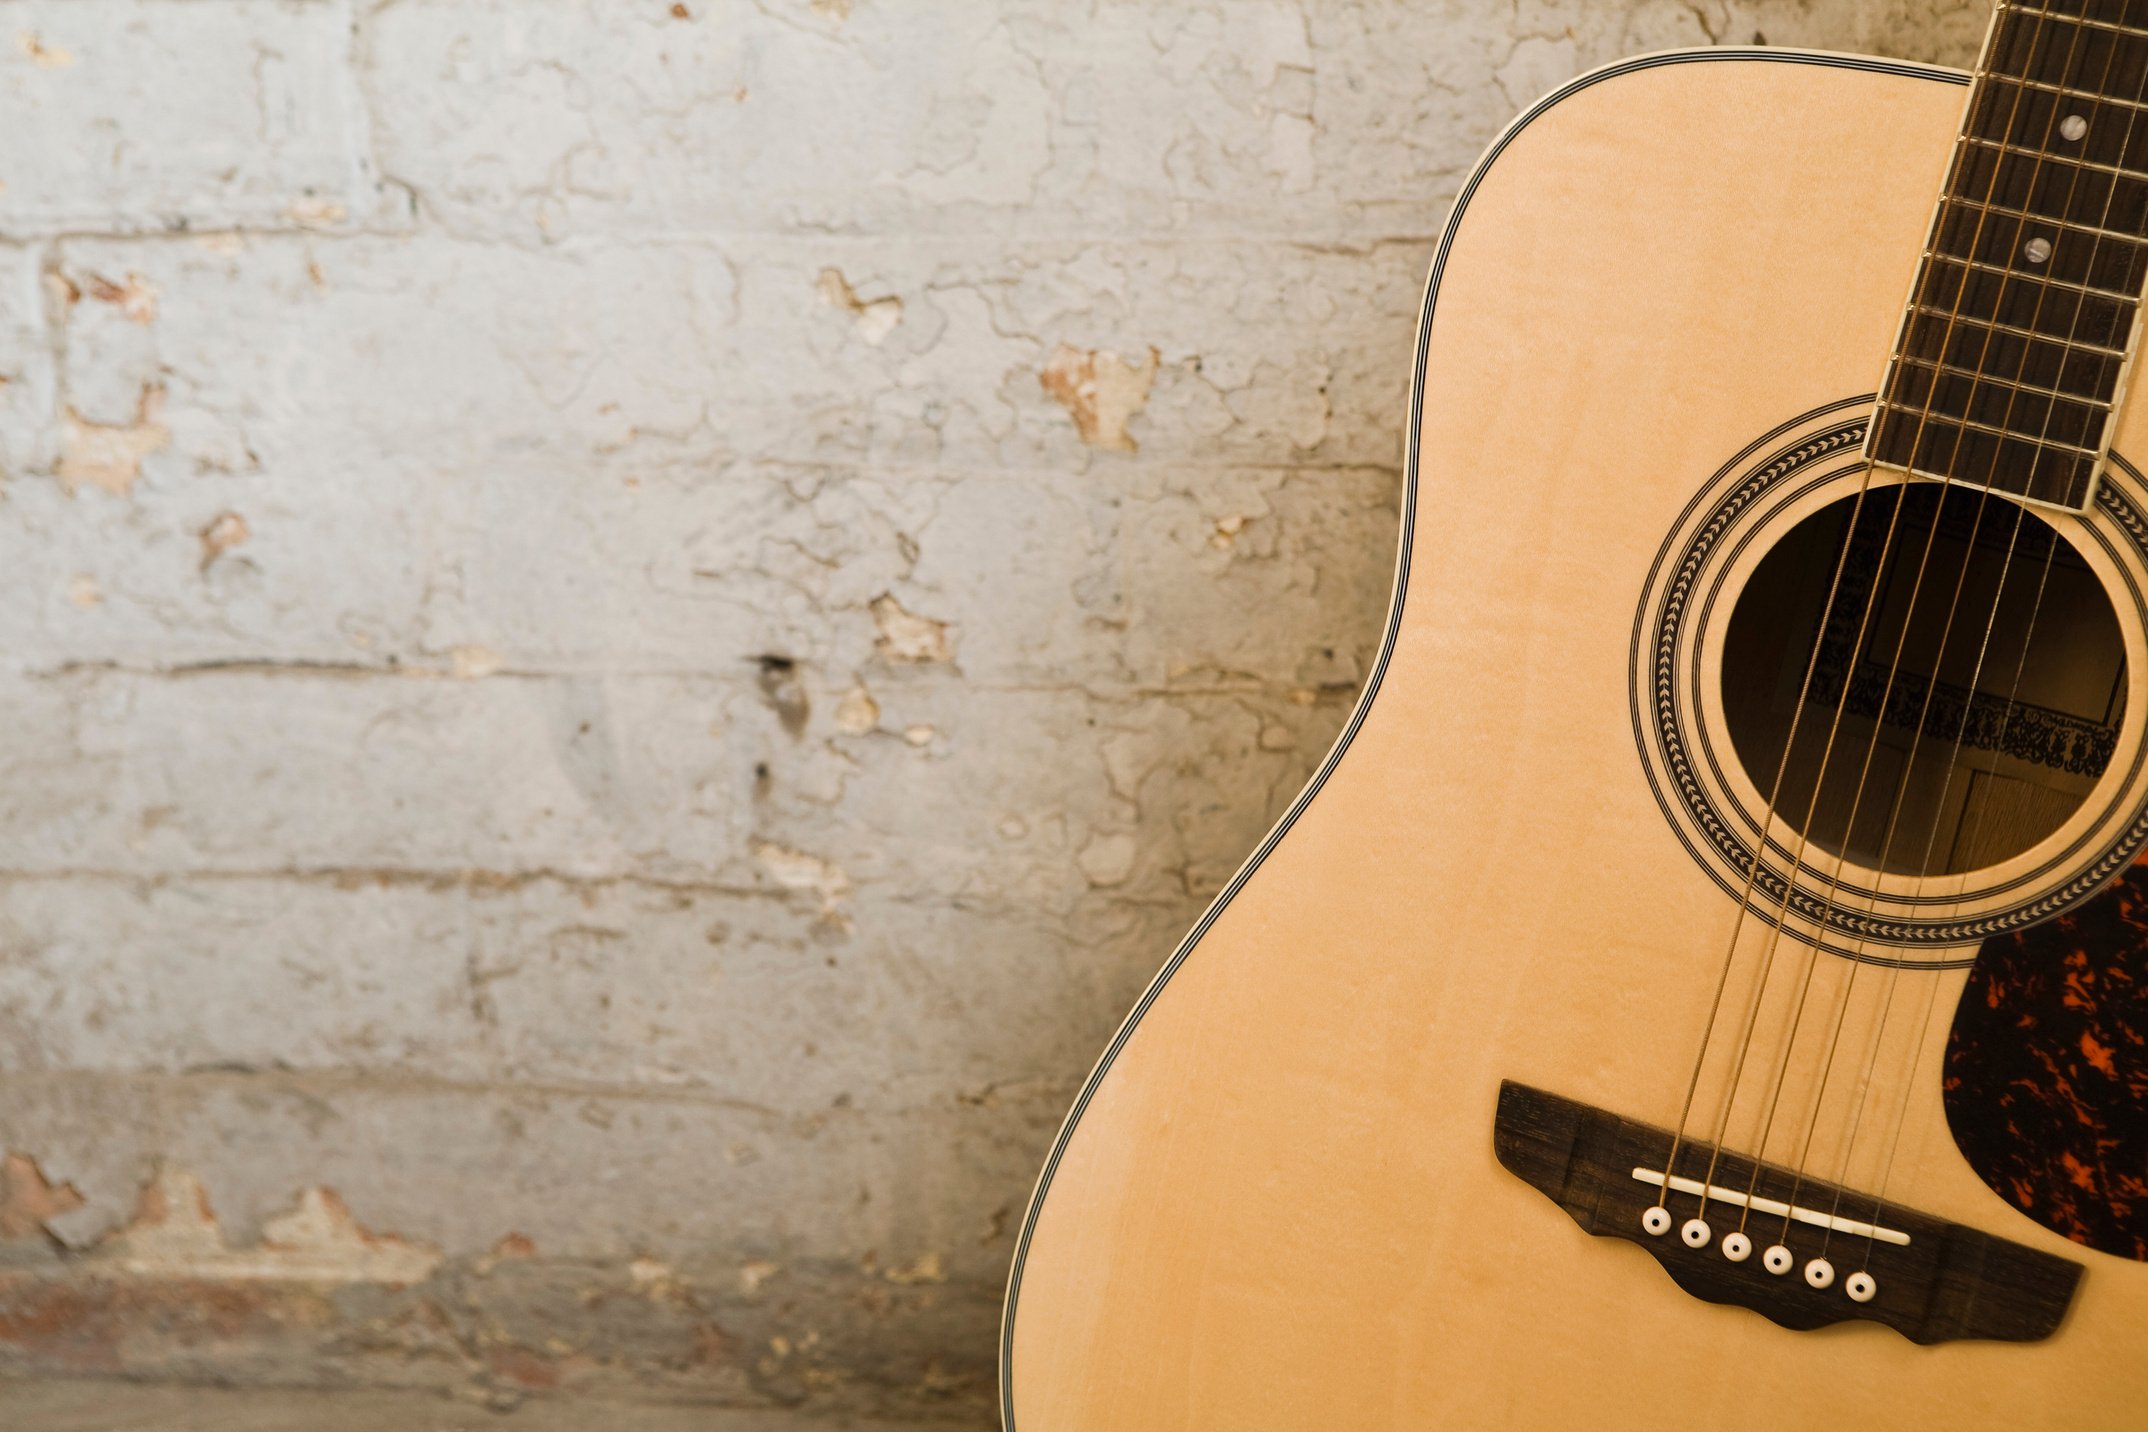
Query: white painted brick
{"points": [[582, 1173], [151, 115], [1326, 121], [621, 985], [27, 413]]}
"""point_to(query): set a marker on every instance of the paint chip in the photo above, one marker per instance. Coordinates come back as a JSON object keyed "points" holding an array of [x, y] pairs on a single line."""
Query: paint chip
{"points": [[919, 735], [134, 296], [226, 531], [84, 592], [658, 1282], [876, 317], [857, 712], [110, 455], [313, 213], [752, 1274], [796, 870], [926, 1268], [1102, 390], [905, 636], [175, 1234], [28, 1199], [44, 56]]}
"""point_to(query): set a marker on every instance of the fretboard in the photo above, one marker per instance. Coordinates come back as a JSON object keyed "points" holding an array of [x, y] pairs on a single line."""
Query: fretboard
{"points": [[2011, 358]]}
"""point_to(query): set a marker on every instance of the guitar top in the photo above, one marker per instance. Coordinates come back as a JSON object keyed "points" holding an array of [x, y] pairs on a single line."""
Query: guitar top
{"points": [[1708, 981]]}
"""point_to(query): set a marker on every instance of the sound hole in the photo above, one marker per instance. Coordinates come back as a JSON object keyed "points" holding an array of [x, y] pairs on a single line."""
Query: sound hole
{"points": [[1994, 727]]}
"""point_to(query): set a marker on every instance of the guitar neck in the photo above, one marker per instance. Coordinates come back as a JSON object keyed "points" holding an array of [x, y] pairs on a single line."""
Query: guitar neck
{"points": [[2013, 353]]}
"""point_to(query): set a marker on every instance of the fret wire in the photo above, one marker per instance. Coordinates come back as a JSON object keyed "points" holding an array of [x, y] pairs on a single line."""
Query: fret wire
{"points": [[2044, 154], [1974, 426], [2013, 213], [2085, 21], [2057, 357], [1943, 370], [2030, 276], [2073, 189], [2112, 51], [2063, 91], [2084, 419], [2076, 343]]}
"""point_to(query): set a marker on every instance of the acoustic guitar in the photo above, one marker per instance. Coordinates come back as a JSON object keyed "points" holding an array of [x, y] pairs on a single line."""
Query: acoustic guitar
{"points": [[1706, 984]]}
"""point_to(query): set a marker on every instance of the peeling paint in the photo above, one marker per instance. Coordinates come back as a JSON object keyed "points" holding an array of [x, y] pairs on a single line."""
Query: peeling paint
{"points": [[175, 1234], [906, 636], [592, 662], [317, 213], [134, 295], [796, 870], [224, 532], [43, 54], [1102, 391], [876, 318], [925, 1268], [28, 1200], [110, 456], [857, 713]]}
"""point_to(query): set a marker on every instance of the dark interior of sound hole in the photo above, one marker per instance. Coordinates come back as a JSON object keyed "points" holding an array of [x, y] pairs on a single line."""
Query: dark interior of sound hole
{"points": [[1995, 726]]}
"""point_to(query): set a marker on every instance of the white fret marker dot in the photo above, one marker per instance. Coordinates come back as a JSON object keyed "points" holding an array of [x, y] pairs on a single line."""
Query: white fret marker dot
{"points": [[2037, 250], [2073, 126]]}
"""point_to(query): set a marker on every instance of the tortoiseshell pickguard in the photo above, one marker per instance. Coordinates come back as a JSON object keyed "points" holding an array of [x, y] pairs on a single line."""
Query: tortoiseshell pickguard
{"points": [[2047, 1069]]}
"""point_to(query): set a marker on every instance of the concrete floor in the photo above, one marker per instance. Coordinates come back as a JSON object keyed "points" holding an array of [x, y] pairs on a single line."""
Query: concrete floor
{"points": [[127, 1407]]}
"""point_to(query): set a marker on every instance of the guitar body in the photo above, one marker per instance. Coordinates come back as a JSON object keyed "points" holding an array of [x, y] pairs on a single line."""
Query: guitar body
{"points": [[1278, 1202]]}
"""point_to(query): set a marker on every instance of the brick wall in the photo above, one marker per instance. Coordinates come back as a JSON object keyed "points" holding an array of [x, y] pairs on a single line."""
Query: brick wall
{"points": [[627, 628]]}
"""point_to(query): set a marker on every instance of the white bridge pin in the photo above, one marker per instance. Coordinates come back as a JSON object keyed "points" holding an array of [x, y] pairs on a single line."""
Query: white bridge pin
{"points": [[1695, 1232], [1778, 1260], [1656, 1220], [1819, 1272], [1737, 1247], [1860, 1287]]}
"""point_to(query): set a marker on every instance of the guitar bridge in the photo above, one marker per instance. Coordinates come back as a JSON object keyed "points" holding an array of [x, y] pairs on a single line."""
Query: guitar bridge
{"points": [[1930, 1280]]}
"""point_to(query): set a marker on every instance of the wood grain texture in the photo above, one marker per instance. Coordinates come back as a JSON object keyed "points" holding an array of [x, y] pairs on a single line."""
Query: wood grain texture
{"points": [[1277, 1203]]}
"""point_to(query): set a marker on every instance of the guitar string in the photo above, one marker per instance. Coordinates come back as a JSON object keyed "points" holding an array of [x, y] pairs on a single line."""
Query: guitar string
{"points": [[1868, 1065], [2095, 244], [1820, 780], [1760, 848], [1782, 766], [1868, 1084]]}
